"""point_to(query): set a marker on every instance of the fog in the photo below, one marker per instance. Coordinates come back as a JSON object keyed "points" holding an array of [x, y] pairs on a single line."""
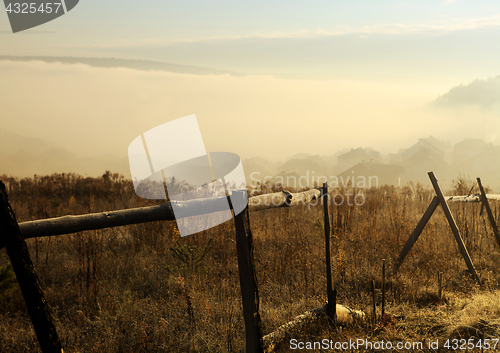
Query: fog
{"points": [[93, 111]]}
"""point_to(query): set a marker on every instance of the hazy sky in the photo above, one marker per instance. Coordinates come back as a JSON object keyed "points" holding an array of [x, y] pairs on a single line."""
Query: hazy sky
{"points": [[325, 75], [396, 40]]}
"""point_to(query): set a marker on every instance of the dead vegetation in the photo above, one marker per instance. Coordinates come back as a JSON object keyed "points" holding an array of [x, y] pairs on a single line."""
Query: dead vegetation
{"points": [[142, 288]]}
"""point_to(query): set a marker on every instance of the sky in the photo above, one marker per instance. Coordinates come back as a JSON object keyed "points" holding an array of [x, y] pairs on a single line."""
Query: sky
{"points": [[316, 76]]}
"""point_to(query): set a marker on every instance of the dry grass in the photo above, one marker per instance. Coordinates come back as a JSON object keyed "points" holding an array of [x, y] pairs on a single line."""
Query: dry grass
{"points": [[125, 289]]}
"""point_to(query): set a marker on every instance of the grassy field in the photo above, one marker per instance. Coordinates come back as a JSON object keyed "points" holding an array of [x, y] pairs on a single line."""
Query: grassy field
{"points": [[142, 288]]}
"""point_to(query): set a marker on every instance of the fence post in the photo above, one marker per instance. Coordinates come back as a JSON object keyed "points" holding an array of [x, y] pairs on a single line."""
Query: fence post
{"points": [[486, 204], [17, 250], [453, 226], [416, 232], [248, 280], [331, 294]]}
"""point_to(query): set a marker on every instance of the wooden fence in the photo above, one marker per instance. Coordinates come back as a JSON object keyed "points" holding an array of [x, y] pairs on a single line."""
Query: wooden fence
{"points": [[439, 199], [13, 235]]}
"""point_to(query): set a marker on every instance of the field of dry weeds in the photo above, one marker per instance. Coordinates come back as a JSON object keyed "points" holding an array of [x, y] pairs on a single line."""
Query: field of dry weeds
{"points": [[142, 288]]}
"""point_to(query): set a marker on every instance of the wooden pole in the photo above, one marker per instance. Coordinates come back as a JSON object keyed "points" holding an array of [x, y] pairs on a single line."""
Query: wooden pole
{"points": [[416, 232], [486, 204], [37, 306], [330, 294], [248, 280], [383, 287], [373, 300], [453, 226], [440, 285]]}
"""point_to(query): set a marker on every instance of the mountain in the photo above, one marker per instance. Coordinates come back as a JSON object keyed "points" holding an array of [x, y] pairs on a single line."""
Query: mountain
{"points": [[299, 156], [482, 93], [11, 143], [23, 156], [258, 169]]}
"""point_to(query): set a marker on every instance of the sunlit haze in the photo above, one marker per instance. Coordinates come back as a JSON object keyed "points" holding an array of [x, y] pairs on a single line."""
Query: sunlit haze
{"points": [[286, 77]]}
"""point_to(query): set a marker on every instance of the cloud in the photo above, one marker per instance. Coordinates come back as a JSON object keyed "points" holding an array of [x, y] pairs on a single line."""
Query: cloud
{"points": [[446, 25], [92, 110]]}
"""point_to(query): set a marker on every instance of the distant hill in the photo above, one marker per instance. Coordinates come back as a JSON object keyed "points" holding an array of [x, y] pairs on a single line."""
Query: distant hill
{"points": [[258, 169], [24, 156], [300, 165], [11, 143], [299, 156], [143, 65], [482, 93]]}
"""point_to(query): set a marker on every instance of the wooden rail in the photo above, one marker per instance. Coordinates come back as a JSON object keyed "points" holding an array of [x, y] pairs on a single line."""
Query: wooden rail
{"points": [[277, 340], [163, 212]]}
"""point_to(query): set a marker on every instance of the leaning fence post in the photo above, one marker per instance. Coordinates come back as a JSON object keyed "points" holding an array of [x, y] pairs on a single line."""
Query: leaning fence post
{"points": [[248, 280], [331, 309], [417, 231], [486, 204], [453, 226], [27, 278]]}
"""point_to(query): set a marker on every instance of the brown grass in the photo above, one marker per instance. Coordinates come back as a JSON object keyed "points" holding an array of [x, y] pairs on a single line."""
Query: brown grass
{"points": [[125, 289]]}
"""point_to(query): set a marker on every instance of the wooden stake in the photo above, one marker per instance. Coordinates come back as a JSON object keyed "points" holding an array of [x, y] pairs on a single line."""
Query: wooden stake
{"points": [[383, 287], [248, 280], [373, 300], [440, 285], [486, 204], [453, 226], [38, 309], [331, 296]]}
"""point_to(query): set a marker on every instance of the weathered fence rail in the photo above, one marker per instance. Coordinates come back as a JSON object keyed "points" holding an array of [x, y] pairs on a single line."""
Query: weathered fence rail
{"points": [[164, 212], [278, 338]]}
